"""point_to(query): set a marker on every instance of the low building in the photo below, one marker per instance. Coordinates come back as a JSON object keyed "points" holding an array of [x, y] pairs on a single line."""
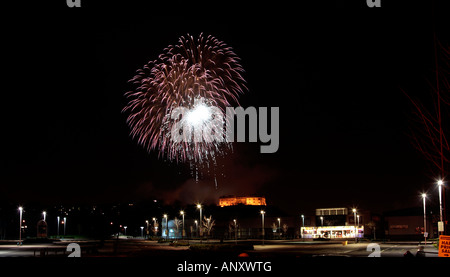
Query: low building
{"points": [[332, 223], [232, 200], [332, 232], [409, 224]]}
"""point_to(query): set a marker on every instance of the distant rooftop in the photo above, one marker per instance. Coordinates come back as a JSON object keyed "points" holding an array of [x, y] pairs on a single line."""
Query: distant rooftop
{"points": [[231, 200]]}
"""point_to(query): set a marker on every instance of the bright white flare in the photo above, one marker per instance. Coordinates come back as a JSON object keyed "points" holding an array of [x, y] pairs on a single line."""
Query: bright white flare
{"points": [[198, 115]]}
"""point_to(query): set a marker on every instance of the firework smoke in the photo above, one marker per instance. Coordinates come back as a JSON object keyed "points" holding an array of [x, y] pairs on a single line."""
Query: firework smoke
{"points": [[200, 75]]}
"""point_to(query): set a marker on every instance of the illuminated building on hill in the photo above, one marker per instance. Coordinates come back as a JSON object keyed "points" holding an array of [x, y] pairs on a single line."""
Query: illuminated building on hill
{"points": [[244, 200]]}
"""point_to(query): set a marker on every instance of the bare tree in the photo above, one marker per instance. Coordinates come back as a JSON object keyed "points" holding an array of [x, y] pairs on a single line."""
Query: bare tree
{"points": [[274, 227], [431, 118], [178, 224], [208, 224]]}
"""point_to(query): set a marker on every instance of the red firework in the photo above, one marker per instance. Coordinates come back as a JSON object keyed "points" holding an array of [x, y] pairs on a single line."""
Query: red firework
{"points": [[203, 68]]}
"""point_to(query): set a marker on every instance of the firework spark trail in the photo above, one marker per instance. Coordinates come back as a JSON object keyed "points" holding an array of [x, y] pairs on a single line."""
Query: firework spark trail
{"points": [[199, 74]]}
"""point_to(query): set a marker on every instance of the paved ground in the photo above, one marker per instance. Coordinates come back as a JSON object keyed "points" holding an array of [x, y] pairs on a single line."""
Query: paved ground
{"points": [[134, 256], [136, 248], [300, 249]]}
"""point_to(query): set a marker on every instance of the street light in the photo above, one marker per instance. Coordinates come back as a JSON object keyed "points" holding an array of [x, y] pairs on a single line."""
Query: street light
{"points": [[44, 213], [146, 222], [440, 223], [125, 227], [208, 224], [196, 224], [424, 196], [167, 226], [65, 224], [321, 221], [235, 231], [199, 206], [354, 221], [57, 229], [182, 231], [303, 225], [20, 225], [262, 215], [279, 225], [154, 225]]}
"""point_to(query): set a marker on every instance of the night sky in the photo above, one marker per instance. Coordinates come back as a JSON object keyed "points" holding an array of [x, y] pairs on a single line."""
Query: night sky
{"points": [[335, 69]]}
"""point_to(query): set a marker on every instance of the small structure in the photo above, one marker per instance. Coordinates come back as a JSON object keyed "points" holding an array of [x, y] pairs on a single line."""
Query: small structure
{"points": [[335, 223]]}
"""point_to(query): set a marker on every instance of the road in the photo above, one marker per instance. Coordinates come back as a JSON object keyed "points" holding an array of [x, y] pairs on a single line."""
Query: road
{"points": [[136, 248], [30, 250], [314, 249]]}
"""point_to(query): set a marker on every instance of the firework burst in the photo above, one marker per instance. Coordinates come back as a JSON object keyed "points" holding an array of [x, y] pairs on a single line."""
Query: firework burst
{"points": [[200, 75]]}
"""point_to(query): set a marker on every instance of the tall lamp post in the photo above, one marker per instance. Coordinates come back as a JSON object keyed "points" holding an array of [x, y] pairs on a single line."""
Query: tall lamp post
{"points": [[354, 220], [424, 196], [199, 206], [167, 226], [65, 223], [154, 226], [57, 229], [279, 225], [441, 221], [262, 215], [321, 224], [303, 225], [20, 225], [235, 231], [196, 225], [182, 231], [44, 213]]}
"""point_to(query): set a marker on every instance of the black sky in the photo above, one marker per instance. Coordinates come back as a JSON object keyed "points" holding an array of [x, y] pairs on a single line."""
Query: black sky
{"points": [[334, 68]]}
